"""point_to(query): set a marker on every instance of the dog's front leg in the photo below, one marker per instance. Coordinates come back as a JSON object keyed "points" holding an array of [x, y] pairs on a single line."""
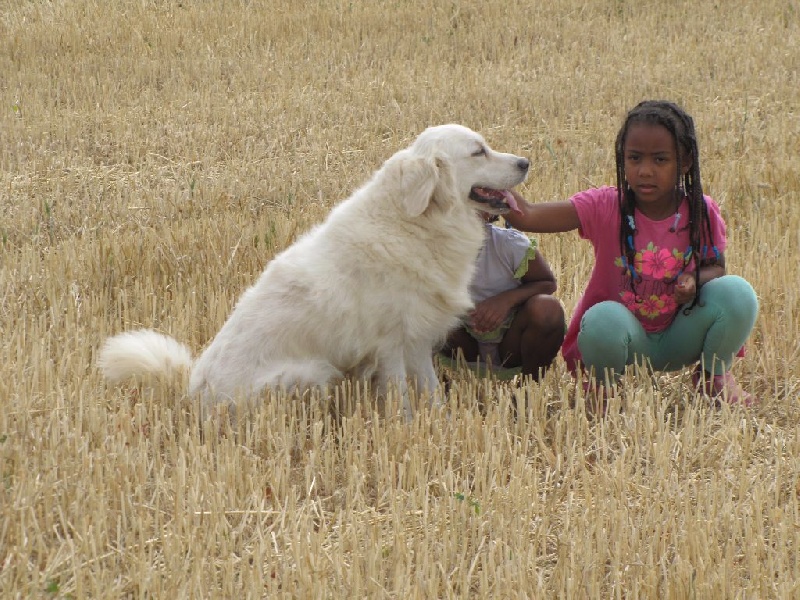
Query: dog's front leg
{"points": [[392, 369], [419, 361]]}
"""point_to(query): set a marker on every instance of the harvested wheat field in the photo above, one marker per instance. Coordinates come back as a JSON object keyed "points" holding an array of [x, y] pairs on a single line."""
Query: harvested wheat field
{"points": [[155, 155]]}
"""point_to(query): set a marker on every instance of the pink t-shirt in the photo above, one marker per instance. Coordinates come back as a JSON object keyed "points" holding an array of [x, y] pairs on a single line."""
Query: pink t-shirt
{"points": [[659, 258]]}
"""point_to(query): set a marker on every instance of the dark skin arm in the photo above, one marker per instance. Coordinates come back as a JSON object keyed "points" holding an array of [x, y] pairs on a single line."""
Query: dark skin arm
{"points": [[543, 217], [491, 313], [685, 285]]}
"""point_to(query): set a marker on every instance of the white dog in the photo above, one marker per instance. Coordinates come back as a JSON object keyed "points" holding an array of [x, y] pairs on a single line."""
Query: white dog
{"points": [[368, 294]]}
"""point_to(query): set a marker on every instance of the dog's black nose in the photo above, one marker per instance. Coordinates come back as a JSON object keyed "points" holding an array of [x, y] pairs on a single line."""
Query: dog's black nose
{"points": [[523, 164]]}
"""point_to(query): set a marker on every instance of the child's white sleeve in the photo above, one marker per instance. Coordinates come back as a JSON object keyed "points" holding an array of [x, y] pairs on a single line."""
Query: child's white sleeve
{"points": [[518, 250], [530, 254]]}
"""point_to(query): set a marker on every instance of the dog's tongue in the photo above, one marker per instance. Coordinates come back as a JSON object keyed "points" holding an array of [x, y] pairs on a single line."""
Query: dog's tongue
{"points": [[491, 195], [512, 202]]}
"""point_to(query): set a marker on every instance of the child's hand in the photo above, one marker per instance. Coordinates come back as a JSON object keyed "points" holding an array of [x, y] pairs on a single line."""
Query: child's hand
{"points": [[684, 288], [489, 314]]}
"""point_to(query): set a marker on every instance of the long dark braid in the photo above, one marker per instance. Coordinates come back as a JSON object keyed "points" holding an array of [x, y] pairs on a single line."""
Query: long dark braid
{"points": [[681, 126]]}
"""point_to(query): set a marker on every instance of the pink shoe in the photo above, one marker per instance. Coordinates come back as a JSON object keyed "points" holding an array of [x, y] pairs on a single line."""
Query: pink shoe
{"points": [[721, 387]]}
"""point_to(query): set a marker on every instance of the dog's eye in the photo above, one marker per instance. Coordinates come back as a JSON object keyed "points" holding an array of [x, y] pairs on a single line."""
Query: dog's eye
{"points": [[480, 152]]}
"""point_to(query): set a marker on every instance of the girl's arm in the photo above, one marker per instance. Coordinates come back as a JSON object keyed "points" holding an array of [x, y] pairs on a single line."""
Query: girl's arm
{"points": [[709, 272], [538, 279], [685, 287], [544, 217]]}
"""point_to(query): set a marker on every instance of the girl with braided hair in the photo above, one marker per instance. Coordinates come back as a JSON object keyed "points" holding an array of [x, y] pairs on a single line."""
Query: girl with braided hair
{"points": [[658, 290]]}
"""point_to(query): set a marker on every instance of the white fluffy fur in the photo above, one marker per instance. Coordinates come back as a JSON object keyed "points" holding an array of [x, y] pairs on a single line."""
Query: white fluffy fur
{"points": [[142, 353], [368, 293]]}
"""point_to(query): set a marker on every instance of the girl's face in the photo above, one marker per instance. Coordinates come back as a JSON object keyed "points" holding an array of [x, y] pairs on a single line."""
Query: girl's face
{"points": [[651, 168]]}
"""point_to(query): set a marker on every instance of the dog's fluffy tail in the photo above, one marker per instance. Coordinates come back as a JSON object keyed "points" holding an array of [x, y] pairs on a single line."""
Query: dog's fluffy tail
{"points": [[143, 353]]}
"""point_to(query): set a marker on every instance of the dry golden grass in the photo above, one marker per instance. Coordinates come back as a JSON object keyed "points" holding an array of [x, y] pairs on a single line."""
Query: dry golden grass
{"points": [[155, 155]]}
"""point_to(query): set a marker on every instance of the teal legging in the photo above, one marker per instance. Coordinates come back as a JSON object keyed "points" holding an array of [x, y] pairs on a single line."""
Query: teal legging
{"points": [[713, 332]]}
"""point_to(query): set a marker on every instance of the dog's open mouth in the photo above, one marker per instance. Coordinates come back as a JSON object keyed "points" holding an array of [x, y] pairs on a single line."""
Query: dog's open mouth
{"points": [[501, 200]]}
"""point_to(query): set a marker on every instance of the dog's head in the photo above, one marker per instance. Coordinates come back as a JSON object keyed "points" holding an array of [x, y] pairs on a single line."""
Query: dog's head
{"points": [[451, 164]]}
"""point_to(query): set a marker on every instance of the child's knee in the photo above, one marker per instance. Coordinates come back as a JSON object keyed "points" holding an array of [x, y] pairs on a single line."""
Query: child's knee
{"points": [[545, 313], [734, 295], [606, 322], [605, 337]]}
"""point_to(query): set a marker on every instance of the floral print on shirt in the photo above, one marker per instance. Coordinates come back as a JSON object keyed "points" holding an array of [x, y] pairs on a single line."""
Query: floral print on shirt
{"points": [[657, 269]]}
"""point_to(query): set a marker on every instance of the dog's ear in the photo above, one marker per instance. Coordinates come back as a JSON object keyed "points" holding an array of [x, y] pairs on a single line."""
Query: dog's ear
{"points": [[445, 193], [418, 179]]}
